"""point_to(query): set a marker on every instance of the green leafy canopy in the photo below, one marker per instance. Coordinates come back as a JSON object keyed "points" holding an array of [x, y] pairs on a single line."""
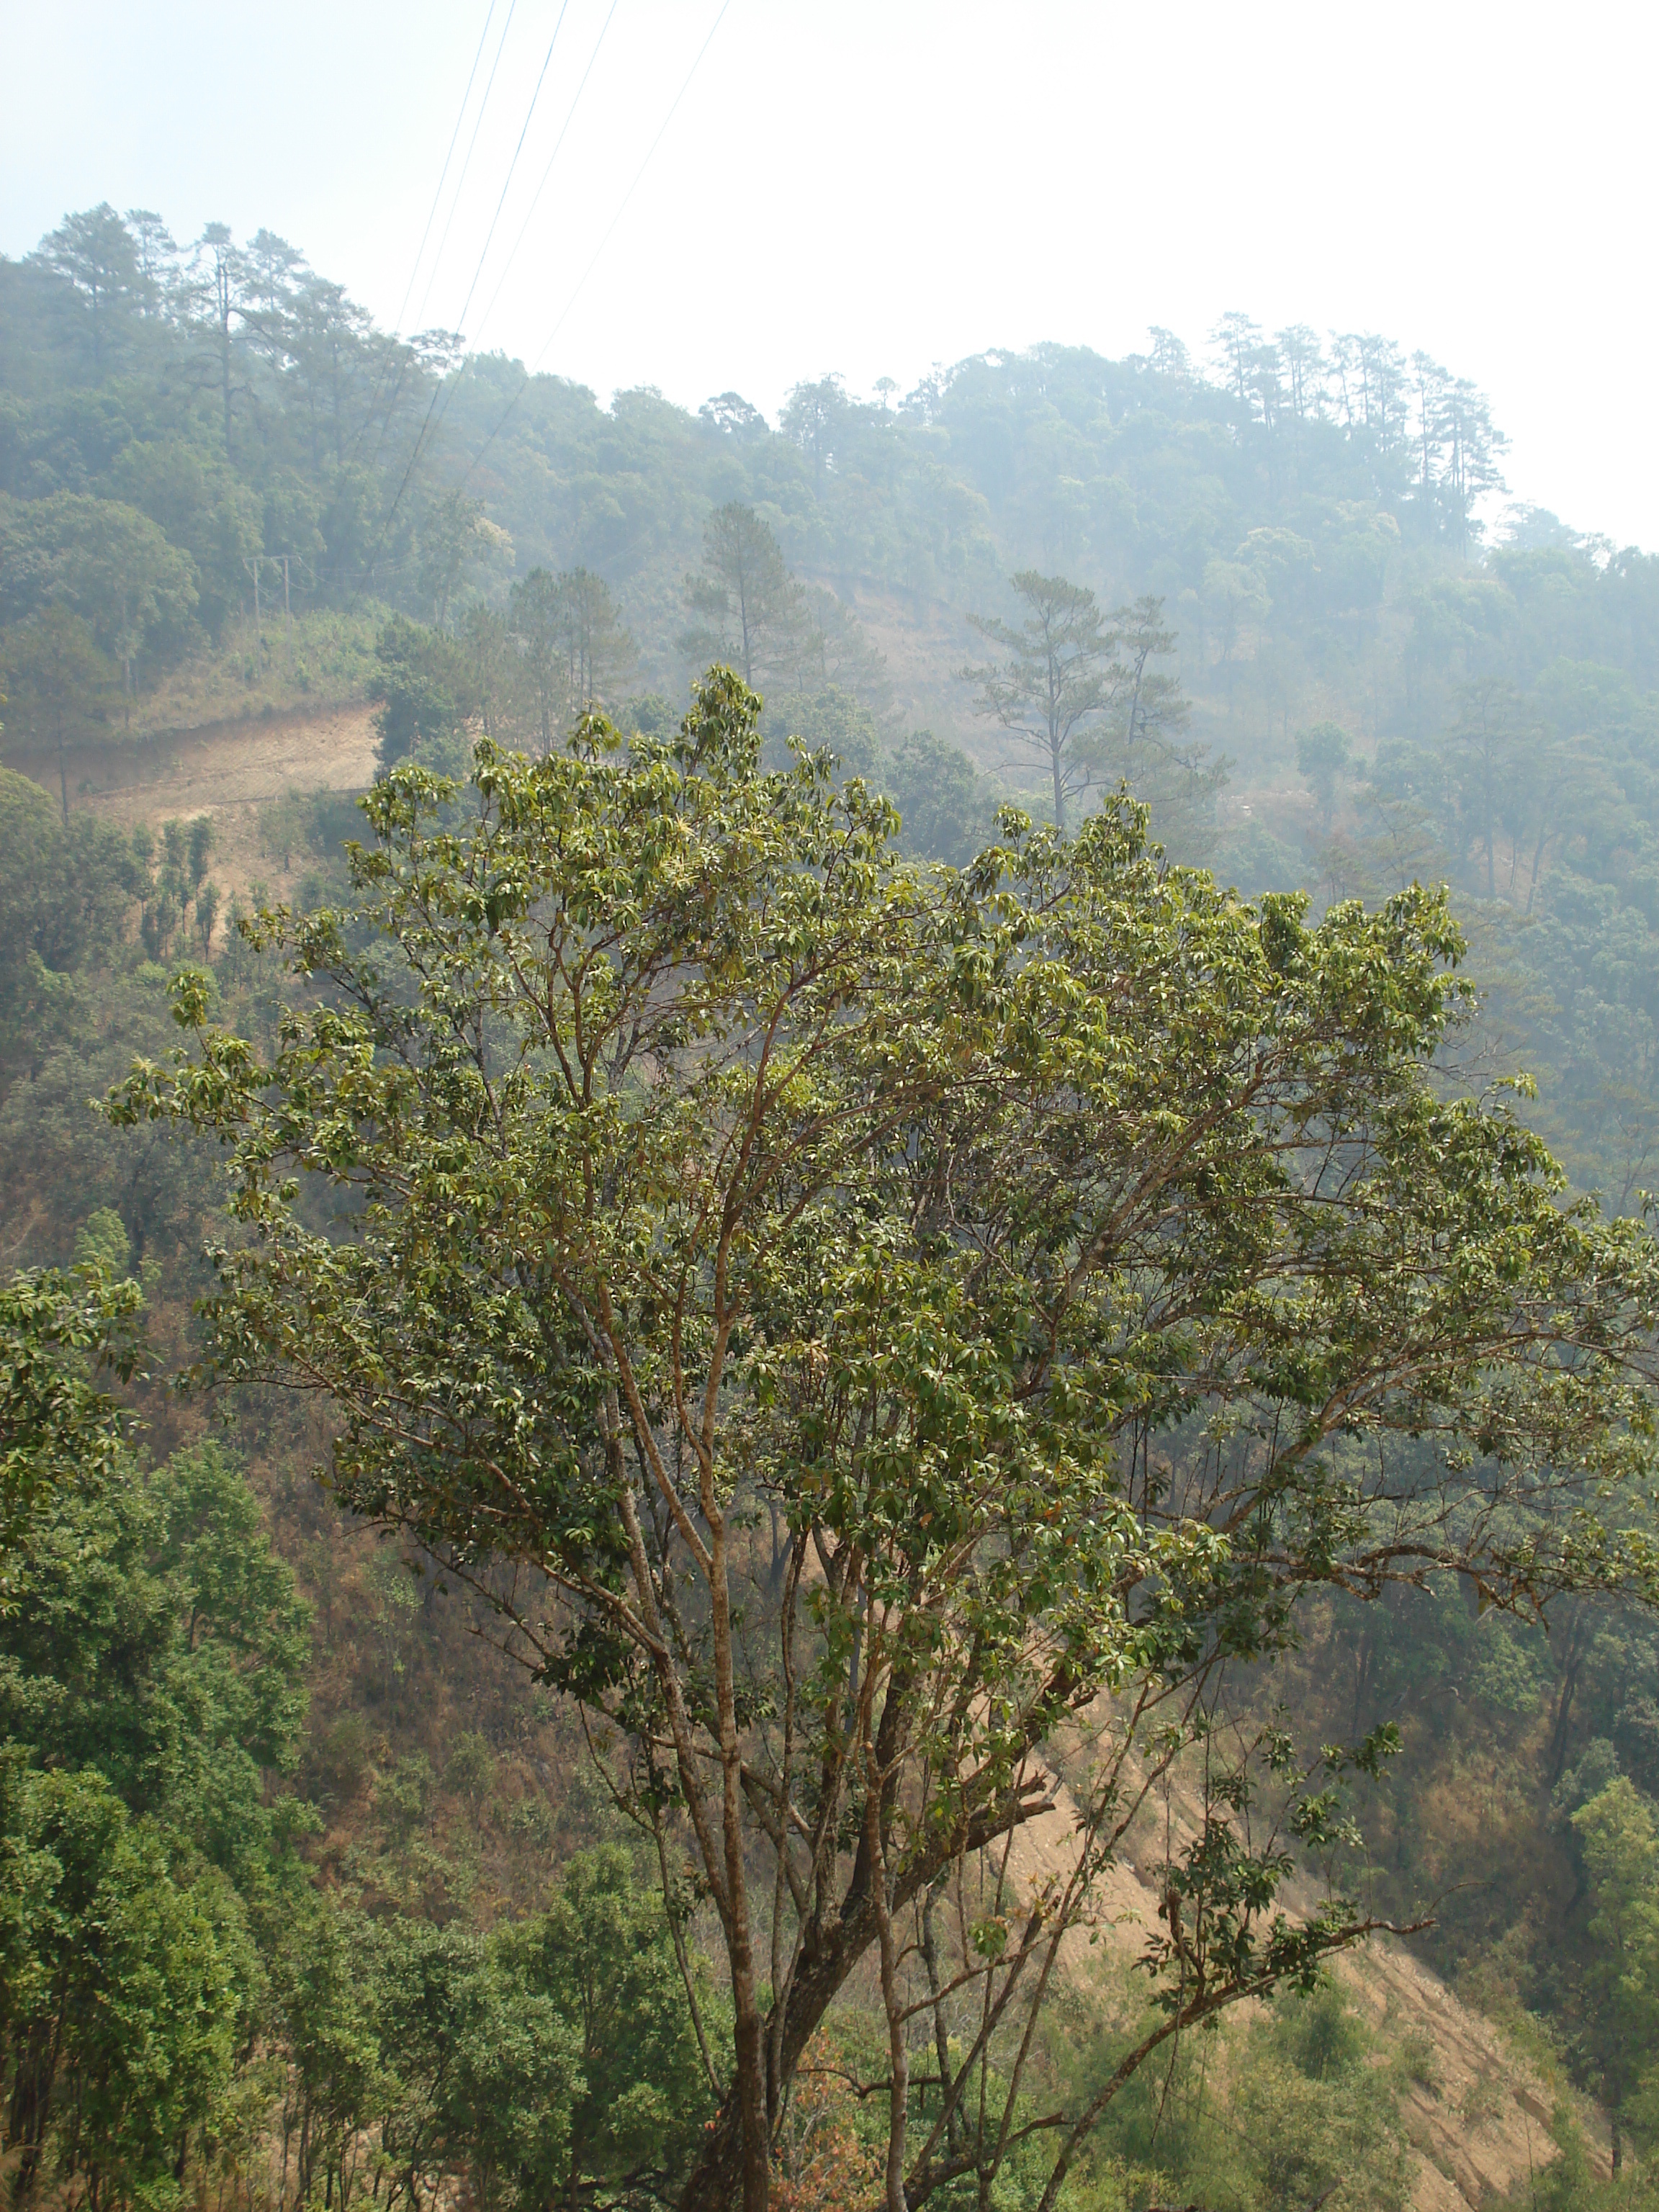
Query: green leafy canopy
{"points": [[901, 1317]]}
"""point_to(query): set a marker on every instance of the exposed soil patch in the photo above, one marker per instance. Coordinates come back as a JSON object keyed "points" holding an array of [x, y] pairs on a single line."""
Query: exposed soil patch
{"points": [[1478, 2119], [226, 770]]}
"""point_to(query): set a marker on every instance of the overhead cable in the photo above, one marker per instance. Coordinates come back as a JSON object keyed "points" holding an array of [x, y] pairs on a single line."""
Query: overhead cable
{"points": [[536, 198], [439, 403], [632, 189], [564, 313], [415, 271], [460, 182], [453, 137], [437, 258], [441, 390], [460, 319]]}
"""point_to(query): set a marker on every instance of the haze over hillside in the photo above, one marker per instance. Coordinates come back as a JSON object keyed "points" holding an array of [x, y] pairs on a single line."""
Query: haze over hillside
{"points": [[936, 181], [934, 1104], [1321, 522]]}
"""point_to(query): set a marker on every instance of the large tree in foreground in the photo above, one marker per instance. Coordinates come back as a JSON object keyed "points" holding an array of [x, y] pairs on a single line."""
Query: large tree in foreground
{"points": [[877, 1335]]}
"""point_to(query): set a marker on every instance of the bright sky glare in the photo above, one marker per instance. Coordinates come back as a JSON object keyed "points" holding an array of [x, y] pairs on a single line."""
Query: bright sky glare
{"points": [[875, 186]]}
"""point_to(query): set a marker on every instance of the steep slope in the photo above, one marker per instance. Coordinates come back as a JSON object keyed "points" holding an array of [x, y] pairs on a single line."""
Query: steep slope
{"points": [[1476, 2112]]}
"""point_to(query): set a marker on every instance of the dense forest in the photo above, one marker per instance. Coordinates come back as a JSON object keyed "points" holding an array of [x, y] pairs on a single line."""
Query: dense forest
{"points": [[608, 1776]]}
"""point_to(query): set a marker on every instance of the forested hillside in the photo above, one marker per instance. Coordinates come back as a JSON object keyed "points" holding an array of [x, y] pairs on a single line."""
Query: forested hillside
{"points": [[308, 1888], [1404, 675]]}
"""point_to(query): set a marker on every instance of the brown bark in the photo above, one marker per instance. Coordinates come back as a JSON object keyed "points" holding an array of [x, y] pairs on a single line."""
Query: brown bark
{"points": [[898, 2100], [833, 1946]]}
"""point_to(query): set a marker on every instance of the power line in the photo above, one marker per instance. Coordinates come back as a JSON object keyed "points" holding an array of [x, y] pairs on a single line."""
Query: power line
{"points": [[564, 9], [455, 135], [621, 207], [441, 390], [632, 189], [581, 281], [536, 198], [438, 389], [460, 117], [460, 182], [437, 258]]}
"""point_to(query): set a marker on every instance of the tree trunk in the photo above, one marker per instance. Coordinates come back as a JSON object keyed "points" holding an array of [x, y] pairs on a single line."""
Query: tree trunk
{"points": [[1537, 861], [898, 2096], [941, 2025], [748, 2035], [755, 2135], [31, 2103], [717, 2179], [1572, 1660], [828, 1959], [831, 1950]]}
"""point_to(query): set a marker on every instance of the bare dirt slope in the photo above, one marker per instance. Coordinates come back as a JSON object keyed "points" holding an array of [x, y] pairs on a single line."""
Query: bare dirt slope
{"points": [[227, 769], [1478, 2113], [926, 644]]}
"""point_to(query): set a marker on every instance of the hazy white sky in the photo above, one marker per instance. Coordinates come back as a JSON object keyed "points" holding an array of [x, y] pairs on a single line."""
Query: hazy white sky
{"points": [[873, 186]]}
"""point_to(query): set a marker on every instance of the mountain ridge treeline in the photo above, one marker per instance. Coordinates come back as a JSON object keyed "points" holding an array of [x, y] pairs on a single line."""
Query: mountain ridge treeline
{"points": [[1313, 516], [247, 408]]}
